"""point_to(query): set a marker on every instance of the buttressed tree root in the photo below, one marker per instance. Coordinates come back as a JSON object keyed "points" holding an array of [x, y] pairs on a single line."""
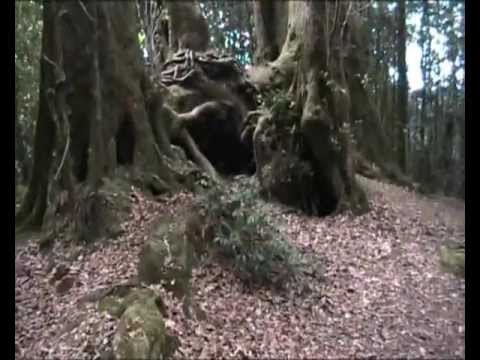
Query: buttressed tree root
{"points": [[176, 128]]}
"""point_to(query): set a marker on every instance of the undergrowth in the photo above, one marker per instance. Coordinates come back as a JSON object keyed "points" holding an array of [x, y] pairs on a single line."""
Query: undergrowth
{"points": [[452, 259], [245, 236]]}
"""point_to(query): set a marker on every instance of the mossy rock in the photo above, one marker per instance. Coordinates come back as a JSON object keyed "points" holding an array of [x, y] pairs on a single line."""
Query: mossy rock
{"points": [[116, 305], [141, 333], [166, 258], [453, 260], [100, 214]]}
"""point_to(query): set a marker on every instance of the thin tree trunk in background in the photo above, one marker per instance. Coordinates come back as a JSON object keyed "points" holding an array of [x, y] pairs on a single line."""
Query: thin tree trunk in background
{"points": [[377, 83], [402, 84], [435, 146], [394, 125], [97, 150], [269, 17], [425, 68], [20, 149]]}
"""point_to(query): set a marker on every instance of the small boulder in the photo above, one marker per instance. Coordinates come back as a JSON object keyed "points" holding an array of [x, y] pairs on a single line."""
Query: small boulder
{"points": [[116, 305], [141, 333], [167, 257]]}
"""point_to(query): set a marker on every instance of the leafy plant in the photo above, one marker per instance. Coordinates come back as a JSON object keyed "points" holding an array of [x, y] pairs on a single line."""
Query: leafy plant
{"points": [[452, 259], [245, 236]]}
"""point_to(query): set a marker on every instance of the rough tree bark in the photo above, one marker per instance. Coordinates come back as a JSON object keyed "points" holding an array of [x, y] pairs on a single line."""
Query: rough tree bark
{"points": [[188, 27], [34, 204], [312, 66], [101, 117], [197, 76], [270, 22], [94, 114], [20, 148]]}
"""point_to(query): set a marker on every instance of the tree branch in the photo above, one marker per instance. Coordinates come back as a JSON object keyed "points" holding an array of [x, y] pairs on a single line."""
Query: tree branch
{"points": [[82, 5]]}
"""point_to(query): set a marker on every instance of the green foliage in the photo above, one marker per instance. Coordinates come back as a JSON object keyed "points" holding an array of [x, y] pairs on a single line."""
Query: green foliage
{"points": [[141, 39], [28, 30], [275, 97], [245, 235], [282, 107], [230, 27], [286, 116], [435, 154], [452, 259]]}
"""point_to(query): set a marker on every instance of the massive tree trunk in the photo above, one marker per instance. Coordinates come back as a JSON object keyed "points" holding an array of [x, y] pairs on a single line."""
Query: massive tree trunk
{"points": [[270, 21], [188, 27], [364, 119], [312, 66], [101, 117], [93, 105]]}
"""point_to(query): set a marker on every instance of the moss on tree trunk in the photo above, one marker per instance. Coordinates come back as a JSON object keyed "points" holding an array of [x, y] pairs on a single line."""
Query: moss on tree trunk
{"points": [[311, 67], [270, 19], [91, 58], [281, 71]]}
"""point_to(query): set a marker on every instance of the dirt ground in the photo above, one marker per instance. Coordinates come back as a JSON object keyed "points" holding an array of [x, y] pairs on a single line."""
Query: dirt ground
{"points": [[382, 292]]}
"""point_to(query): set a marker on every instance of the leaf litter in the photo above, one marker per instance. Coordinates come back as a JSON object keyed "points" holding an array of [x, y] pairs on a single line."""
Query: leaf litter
{"points": [[381, 293]]}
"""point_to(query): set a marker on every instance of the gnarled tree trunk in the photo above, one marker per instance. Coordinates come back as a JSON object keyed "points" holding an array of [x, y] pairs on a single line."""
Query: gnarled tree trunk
{"points": [[188, 27], [93, 96], [370, 138], [270, 21], [312, 67]]}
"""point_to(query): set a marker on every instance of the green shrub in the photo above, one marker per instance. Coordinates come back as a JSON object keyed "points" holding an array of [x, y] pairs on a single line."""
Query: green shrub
{"points": [[245, 236], [452, 259]]}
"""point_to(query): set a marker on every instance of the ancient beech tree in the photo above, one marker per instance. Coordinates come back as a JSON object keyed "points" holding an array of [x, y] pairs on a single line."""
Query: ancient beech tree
{"points": [[103, 115], [99, 111], [312, 66]]}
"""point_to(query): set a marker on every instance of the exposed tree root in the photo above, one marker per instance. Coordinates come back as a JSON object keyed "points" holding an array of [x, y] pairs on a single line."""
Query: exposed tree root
{"points": [[197, 156]]}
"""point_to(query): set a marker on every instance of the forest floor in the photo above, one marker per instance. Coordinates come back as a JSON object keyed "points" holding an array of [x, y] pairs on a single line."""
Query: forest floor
{"points": [[382, 294]]}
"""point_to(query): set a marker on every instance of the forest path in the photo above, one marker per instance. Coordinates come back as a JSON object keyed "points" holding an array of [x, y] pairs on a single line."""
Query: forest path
{"points": [[382, 293], [431, 209]]}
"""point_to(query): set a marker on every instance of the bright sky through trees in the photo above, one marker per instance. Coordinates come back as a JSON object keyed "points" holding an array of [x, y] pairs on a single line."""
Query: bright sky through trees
{"points": [[414, 55], [414, 52]]}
